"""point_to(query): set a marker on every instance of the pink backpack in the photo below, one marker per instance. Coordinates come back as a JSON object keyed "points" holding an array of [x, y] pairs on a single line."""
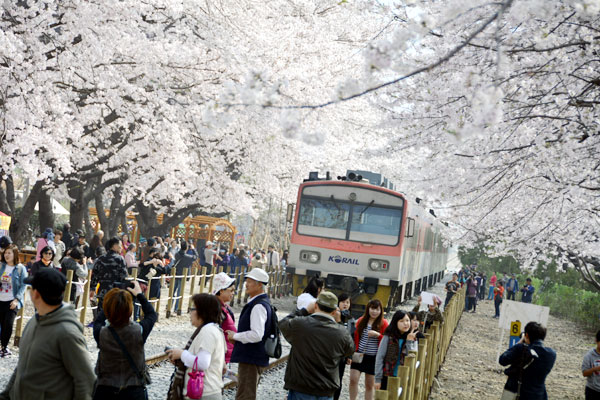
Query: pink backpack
{"points": [[195, 385]]}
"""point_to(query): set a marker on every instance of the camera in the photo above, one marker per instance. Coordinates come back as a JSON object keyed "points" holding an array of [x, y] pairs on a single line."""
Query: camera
{"points": [[167, 348], [123, 285]]}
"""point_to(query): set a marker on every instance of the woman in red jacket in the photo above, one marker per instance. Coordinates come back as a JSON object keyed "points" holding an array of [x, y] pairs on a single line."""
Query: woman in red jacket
{"points": [[368, 334]]}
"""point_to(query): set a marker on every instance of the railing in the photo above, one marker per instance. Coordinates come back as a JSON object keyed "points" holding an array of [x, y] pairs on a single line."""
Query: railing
{"points": [[416, 377], [279, 285]]}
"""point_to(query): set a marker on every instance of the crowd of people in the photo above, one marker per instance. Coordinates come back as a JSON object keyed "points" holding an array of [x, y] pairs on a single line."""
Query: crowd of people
{"points": [[325, 339], [499, 288]]}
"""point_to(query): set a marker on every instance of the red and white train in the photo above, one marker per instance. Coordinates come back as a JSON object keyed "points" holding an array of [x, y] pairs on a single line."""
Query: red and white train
{"points": [[365, 239]]}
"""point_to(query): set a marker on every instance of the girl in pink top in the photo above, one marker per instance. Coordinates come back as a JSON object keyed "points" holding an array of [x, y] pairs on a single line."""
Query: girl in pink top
{"points": [[224, 290]]}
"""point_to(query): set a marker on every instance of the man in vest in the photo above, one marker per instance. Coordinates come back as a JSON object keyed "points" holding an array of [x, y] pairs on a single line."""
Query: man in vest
{"points": [[249, 341]]}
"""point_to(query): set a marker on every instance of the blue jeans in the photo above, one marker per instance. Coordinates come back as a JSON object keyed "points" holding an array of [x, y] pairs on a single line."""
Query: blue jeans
{"points": [[293, 395], [491, 293]]}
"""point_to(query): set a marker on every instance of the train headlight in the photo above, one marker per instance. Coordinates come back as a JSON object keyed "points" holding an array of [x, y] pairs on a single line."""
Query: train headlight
{"points": [[312, 257], [378, 265]]}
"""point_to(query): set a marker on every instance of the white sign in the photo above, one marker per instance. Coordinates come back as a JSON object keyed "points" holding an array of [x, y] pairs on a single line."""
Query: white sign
{"points": [[427, 298], [523, 312]]}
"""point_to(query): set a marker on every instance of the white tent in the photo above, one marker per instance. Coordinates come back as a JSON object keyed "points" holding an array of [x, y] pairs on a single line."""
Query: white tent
{"points": [[56, 208]]}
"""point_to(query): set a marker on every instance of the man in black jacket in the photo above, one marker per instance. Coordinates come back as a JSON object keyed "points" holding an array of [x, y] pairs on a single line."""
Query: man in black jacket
{"points": [[530, 362], [109, 269], [319, 343]]}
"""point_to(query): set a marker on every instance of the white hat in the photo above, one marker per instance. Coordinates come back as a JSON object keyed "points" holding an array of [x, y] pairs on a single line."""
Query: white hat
{"points": [[209, 243], [258, 275], [221, 281]]}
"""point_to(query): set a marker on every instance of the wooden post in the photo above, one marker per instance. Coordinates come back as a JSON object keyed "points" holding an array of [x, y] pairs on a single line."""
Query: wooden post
{"points": [[192, 286], [381, 395], [182, 291], [421, 358], [86, 297], [20, 318], [427, 366], [203, 280], [67, 295], [410, 361], [393, 384], [161, 282], [403, 374], [240, 286], [171, 291], [212, 275]]}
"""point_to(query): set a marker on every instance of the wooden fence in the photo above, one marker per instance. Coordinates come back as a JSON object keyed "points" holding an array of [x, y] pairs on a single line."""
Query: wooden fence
{"points": [[197, 280], [416, 376]]}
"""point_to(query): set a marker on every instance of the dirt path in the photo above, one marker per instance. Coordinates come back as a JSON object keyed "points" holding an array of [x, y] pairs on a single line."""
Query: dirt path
{"points": [[471, 370]]}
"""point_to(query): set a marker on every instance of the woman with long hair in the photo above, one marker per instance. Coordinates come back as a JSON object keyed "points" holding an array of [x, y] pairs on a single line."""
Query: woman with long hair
{"points": [[398, 339], [369, 332], [311, 292], [121, 360], [205, 350], [12, 289], [125, 243]]}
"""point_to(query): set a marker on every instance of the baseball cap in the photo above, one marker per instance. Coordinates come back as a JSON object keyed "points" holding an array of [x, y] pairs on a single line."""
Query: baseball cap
{"points": [[50, 284], [221, 281], [209, 243], [259, 275], [327, 299]]}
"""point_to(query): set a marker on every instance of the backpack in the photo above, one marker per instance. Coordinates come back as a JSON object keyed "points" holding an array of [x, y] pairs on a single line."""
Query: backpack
{"points": [[273, 341]]}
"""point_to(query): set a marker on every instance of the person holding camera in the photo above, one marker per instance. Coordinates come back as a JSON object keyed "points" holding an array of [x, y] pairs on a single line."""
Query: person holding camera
{"points": [[108, 269], [121, 365], [527, 290], [530, 363]]}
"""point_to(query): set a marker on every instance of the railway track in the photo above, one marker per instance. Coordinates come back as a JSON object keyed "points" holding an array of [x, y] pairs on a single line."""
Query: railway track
{"points": [[158, 359]]}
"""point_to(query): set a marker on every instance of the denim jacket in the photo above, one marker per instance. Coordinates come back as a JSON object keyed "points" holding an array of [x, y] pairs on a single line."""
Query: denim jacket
{"points": [[18, 281]]}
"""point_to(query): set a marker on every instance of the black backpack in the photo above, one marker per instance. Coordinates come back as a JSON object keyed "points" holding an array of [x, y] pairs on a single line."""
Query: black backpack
{"points": [[273, 341]]}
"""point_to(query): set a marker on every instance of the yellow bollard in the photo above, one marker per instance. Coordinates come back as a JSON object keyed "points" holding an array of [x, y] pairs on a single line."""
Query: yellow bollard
{"points": [[86, 297], [393, 385], [182, 291], [171, 291], [410, 361], [403, 374], [203, 280], [67, 296], [194, 272]]}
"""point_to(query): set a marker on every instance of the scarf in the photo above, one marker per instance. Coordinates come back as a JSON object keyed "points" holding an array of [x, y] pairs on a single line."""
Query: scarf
{"points": [[391, 356], [178, 377]]}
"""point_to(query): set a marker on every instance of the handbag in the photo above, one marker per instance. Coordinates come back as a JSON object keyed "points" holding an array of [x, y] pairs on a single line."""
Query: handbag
{"points": [[145, 376], [195, 385], [357, 358], [508, 395]]}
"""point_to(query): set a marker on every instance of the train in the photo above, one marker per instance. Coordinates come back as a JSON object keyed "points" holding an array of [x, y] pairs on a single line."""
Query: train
{"points": [[364, 238]]}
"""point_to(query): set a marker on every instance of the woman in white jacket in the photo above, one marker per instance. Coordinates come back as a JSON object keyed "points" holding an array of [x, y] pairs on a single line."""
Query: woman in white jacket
{"points": [[206, 347]]}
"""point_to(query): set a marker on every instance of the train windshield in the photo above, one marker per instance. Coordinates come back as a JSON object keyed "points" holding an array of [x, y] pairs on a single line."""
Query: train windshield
{"points": [[375, 224], [336, 219]]}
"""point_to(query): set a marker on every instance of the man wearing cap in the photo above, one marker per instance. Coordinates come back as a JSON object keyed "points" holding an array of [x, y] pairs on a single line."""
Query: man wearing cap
{"points": [[53, 361], [210, 255], [319, 343], [249, 341]]}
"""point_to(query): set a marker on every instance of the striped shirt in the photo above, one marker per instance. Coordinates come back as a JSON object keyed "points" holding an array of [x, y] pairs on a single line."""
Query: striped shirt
{"points": [[368, 345]]}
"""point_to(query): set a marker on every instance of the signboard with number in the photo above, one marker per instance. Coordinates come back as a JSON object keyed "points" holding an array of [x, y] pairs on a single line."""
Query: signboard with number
{"points": [[515, 333]]}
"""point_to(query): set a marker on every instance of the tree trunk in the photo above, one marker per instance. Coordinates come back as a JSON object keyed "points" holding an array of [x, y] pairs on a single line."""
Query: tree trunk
{"points": [[7, 196], [78, 206], [46, 214], [19, 225], [147, 219]]}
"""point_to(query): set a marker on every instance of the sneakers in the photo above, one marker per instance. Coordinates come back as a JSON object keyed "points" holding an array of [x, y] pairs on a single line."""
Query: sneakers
{"points": [[4, 352]]}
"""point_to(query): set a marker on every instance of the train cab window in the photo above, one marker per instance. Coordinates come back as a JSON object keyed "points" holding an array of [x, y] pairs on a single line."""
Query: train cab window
{"points": [[321, 217], [375, 224]]}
